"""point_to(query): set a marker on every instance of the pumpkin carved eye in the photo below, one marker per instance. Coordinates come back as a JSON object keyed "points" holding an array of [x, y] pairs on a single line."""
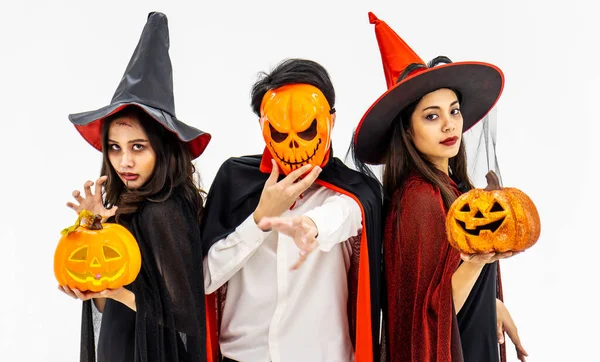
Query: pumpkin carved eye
{"points": [[79, 254], [466, 208], [110, 253], [496, 207]]}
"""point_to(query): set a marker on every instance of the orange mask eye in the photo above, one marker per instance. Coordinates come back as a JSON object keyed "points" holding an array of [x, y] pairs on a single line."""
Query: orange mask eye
{"points": [[278, 137], [310, 133]]}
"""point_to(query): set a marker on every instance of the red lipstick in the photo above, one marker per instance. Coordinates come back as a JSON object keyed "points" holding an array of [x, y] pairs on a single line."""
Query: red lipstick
{"points": [[450, 141], [130, 176]]}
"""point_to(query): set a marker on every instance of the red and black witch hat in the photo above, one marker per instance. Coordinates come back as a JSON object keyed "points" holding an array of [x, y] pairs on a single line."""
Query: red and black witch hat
{"points": [[148, 84], [479, 85]]}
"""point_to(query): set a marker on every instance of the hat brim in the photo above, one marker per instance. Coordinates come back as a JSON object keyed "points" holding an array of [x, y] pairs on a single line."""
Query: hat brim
{"points": [[479, 84], [89, 125]]}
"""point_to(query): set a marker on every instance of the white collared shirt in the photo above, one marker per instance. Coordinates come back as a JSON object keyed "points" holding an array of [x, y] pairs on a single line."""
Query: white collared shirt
{"points": [[276, 314]]}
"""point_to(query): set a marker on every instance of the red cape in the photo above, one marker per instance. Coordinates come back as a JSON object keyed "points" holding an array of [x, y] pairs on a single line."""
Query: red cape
{"points": [[419, 264]]}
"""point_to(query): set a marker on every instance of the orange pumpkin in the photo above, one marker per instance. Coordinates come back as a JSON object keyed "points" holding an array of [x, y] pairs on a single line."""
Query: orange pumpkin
{"points": [[96, 256], [492, 219]]}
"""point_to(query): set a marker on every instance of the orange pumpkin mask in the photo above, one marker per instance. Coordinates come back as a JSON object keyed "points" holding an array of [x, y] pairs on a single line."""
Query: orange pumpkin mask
{"points": [[296, 121], [493, 219], [96, 256]]}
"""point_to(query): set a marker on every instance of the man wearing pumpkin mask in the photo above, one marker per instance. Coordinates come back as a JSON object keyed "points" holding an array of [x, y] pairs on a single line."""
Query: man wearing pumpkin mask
{"points": [[293, 236]]}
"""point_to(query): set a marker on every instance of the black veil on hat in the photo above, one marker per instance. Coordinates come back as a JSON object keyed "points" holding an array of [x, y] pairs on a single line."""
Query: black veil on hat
{"points": [[148, 84]]}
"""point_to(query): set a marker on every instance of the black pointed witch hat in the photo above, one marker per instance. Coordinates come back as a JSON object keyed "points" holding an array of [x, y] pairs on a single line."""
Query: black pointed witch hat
{"points": [[148, 84]]}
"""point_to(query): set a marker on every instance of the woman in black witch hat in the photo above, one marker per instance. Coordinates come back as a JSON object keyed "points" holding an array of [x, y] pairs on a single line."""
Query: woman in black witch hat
{"points": [[148, 179], [438, 307]]}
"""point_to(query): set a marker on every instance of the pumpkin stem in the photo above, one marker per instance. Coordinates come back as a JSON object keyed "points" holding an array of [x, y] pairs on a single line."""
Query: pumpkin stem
{"points": [[96, 223], [84, 214], [493, 181]]}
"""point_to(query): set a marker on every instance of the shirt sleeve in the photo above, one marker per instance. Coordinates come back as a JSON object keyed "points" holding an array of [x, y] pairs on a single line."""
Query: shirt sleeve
{"points": [[228, 255], [337, 219]]}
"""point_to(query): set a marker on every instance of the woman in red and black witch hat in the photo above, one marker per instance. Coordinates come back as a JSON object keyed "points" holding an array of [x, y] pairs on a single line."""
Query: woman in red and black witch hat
{"points": [[438, 307], [148, 180]]}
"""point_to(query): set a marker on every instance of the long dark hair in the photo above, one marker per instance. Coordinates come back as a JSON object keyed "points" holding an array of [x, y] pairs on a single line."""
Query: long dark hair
{"points": [[403, 157], [173, 169]]}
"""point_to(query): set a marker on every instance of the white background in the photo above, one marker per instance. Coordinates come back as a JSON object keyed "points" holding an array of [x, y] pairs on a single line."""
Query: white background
{"points": [[61, 57]]}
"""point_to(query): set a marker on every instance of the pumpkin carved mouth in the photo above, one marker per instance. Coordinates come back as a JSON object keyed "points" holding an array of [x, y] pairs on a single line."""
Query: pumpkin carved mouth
{"points": [[491, 227], [96, 279], [297, 164]]}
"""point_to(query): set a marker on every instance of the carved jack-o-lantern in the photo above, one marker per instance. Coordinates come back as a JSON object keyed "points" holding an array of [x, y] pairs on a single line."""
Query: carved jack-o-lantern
{"points": [[493, 219], [96, 256], [296, 124]]}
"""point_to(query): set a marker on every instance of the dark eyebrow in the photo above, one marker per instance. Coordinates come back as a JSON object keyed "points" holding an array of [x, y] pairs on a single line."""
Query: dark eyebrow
{"points": [[139, 140], [430, 107], [437, 107]]}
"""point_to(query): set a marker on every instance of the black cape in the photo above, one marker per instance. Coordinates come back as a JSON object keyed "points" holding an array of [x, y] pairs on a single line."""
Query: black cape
{"points": [[235, 193], [169, 324]]}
